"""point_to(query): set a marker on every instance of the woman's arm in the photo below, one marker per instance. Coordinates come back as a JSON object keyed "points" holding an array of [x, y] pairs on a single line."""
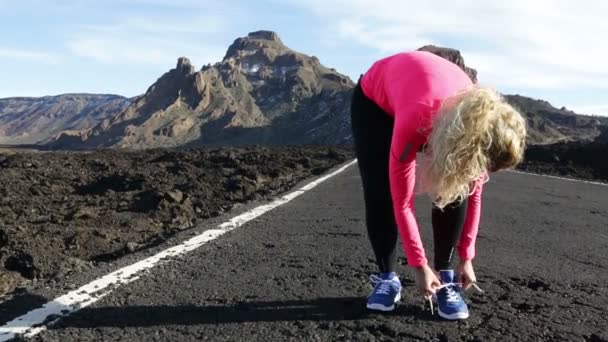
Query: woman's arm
{"points": [[466, 245]]}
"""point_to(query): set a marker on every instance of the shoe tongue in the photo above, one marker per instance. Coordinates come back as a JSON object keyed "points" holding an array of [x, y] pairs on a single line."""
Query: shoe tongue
{"points": [[387, 275], [446, 276]]}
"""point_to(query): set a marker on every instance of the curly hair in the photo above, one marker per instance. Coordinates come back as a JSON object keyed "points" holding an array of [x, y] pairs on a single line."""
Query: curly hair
{"points": [[474, 132]]}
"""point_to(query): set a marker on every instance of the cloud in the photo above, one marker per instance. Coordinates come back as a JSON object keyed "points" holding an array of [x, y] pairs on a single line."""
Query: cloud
{"points": [[150, 40], [153, 25], [29, 55], [12, 92], [599, 109], [173, 3], [541, 43], [108, 50], [522, 71], [128, 51]]}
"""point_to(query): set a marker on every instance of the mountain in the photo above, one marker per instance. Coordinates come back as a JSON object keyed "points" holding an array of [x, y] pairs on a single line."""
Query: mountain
{"points": [[549, 125], [29, 120], [262, 92]]}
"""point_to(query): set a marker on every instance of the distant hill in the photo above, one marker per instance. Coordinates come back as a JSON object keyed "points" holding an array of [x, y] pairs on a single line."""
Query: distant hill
{"points": [[548, 125], [29, 120]]}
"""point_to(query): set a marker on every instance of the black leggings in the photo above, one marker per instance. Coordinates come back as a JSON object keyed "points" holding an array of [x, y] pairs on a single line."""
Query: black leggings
{"points": [[372, 132]]}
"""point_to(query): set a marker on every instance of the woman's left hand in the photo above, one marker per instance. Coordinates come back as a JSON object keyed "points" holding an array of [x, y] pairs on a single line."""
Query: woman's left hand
{"points": [[465, 274]]}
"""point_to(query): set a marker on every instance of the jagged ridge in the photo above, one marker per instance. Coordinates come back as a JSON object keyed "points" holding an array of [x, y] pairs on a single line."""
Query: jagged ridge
{"points": [[262, 92]]}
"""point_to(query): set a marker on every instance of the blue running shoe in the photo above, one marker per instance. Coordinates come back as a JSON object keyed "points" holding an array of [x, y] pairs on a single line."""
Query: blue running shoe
{"points": [[449, 301], [387, 292]]}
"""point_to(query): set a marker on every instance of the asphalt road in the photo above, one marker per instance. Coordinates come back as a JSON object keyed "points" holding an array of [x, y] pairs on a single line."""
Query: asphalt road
{"points": [[300, 272]]}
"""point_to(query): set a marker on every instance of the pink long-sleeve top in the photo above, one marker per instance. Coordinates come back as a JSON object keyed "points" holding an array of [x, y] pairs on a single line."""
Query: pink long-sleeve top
{"points": [[411, 87]]}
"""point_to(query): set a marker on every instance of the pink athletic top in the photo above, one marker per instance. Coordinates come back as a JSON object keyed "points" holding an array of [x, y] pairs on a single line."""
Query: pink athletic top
{"points": [[410, 87]]}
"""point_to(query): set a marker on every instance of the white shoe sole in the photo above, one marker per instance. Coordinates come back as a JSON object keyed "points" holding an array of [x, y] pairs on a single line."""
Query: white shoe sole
{"points": [[380, 307], [455, 316]]}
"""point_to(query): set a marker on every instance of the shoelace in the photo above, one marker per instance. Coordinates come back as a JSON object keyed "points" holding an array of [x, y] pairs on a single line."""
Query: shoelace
{"points": [[385, 284], [453, 296]]}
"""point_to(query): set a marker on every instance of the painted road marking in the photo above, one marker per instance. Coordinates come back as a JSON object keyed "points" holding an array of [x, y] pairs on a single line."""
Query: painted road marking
{"points": [[562, 178], [38, 319]]}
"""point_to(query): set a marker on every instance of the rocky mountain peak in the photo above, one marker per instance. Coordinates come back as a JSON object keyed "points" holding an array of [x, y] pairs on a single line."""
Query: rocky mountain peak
{"points": [[453, 56], [265, 35], [259, 42], [184, 66]]}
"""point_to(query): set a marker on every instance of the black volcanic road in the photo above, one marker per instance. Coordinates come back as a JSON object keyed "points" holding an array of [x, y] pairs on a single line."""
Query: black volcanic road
{"points": [[300, 272]]}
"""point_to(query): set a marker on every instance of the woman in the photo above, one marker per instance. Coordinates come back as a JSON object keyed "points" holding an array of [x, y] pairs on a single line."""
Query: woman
{"points": [[418, 100]]}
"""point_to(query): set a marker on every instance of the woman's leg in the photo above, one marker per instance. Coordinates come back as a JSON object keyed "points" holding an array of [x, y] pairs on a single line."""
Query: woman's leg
{"points": [[372, 132], [447, 227]]}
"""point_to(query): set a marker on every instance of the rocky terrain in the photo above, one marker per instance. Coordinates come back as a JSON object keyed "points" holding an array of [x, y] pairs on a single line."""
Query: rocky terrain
{"points": [[578, 159], [292, 276], [64, 212], [31, 120]]}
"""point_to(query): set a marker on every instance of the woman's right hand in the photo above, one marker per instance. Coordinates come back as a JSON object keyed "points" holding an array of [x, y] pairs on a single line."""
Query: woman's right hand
{"points": [[426, 280]]}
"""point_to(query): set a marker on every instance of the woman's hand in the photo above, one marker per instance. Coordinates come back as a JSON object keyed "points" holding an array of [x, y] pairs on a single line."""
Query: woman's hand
{"points": [[426, 280], [465, 274]]}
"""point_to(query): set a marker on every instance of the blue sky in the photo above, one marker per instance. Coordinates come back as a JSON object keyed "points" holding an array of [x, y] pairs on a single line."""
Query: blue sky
{"points": [[549, 49]]}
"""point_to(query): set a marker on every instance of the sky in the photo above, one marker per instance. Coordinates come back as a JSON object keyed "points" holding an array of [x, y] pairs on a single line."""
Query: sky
{"points": [[552, 50]]}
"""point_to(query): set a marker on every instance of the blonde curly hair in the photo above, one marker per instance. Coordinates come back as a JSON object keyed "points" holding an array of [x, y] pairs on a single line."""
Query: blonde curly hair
{"points": [[474, 132]]}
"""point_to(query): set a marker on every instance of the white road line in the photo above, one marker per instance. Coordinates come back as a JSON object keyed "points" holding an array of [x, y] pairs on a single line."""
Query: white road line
{"points": [[37, 320], [562, 178]]}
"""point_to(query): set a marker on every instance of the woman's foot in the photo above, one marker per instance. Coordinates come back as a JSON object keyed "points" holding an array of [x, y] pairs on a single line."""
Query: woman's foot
{"points": [[387, 292], [449, 300]]}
